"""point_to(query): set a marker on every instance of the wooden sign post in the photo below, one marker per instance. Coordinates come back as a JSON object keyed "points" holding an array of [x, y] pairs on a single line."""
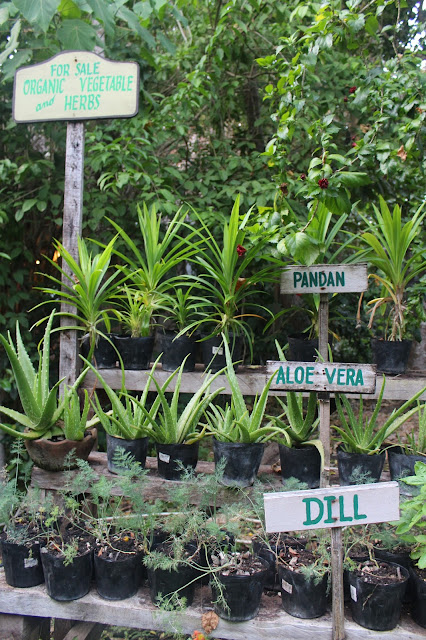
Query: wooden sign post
{"points": [[323, 377], [74, 86]]}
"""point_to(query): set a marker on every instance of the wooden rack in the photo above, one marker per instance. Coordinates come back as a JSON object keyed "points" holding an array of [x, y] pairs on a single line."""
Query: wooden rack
{"points": [[251, 379], [139, 613]]}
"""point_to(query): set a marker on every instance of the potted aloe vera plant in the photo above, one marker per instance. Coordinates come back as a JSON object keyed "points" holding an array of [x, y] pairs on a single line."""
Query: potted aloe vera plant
{"points": [[126, 424], [177, 432], [52, 426], [238, 430], [360, 457], [300, 452]]}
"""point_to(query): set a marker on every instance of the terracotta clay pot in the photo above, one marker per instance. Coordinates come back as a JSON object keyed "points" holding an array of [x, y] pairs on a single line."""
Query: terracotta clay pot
{"points": [[50, 456]]}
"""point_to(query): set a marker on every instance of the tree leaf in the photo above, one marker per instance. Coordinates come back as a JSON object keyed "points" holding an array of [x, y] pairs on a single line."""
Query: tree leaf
{"points": [[103, 12], [76, 34], [39, 12]]}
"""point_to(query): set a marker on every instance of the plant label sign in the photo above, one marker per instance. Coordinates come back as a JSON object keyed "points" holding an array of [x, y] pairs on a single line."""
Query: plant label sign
{"points": [[325, 278], [331, 507], [76, 85], [322, 376]]}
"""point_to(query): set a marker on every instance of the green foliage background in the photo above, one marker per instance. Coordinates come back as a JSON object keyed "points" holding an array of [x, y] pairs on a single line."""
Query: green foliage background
{"points": [[258, 97]]}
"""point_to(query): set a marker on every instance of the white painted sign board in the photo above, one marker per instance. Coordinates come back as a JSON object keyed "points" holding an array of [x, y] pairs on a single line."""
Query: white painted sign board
{"points": [[325, 278], [76, 85], [331, 507], [322, 376]]}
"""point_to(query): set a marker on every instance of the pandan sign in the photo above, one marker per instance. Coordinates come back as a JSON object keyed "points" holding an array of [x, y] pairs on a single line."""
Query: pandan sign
{"points": [[325, 278]]}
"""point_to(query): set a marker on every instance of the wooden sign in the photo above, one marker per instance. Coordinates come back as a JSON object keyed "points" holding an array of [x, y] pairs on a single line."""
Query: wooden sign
{"points": [[325, 278], [322, 376], [331, 507], [76, 85]]}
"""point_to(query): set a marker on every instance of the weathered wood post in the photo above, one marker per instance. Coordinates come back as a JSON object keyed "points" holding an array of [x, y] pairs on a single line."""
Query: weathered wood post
{"points": [[74, 86], [71, 230]]}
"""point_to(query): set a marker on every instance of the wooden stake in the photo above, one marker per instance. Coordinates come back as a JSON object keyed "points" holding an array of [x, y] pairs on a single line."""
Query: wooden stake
{"points": [[324, 398], [337, 596], [338, 628], [72, 224]]}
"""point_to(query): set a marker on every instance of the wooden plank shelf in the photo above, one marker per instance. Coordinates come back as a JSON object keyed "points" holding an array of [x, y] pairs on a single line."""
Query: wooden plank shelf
{"points": [[251, 379], [139, 613], [155, 487]]}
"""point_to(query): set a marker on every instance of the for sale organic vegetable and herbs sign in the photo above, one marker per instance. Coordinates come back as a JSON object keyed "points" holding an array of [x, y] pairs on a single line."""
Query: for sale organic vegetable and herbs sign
{"points": [[76, 85]]}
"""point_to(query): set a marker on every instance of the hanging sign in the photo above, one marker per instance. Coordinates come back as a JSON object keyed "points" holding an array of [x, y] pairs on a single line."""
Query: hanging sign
{"points": [[325, 278], [322, 376], [76, 85], [331, 507]]}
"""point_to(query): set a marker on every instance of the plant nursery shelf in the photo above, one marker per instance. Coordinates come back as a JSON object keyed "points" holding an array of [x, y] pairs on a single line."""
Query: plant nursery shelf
{"points": [[139, 613], [156, 487], [251, 380]]}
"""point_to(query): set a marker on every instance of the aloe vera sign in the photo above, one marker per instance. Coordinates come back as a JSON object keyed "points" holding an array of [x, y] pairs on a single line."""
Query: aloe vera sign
{"points": [[322, 376], [76, 85], [325, 278], [331, 507]]}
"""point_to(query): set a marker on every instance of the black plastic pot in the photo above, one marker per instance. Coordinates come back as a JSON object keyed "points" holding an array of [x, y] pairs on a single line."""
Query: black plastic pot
{"points": [[22, 564], [171, 456], [376, 606], [401, 465], [223, 541], [418, 610], [118, 579], [213, 352], [104, 354], [175, 351], [301, 349], [403, 559], [242, 461], [137, 448], [390, 356], [67, 582], [136, 353], [302, 463], [163, 584], [302, 597], [262, 550], [242, 595], [359, 468]]}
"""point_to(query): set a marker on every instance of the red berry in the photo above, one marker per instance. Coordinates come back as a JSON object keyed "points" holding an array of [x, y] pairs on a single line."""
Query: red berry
{"points": [[352, 89], [323, 183], [345, 99], [303, 176], [240, 250], [354, 144]]}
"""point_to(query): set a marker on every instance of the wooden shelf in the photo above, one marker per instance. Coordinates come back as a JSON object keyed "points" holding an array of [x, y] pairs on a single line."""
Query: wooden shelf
{"points": [[251, 379], [139, 613], [155, 487]]}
